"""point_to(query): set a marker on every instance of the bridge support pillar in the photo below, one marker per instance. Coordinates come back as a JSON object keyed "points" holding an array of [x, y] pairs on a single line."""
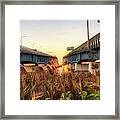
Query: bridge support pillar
{"points": [[90, 67], [69, 66], [81, 67], [75, 66]]}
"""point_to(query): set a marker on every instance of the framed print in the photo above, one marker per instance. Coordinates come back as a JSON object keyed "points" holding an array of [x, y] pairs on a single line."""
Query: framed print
{"points": [[60, 60]]}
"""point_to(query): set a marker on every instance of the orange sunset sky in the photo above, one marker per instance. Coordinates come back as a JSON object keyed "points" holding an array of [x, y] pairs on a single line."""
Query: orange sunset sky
{"points": [[54, 36]]}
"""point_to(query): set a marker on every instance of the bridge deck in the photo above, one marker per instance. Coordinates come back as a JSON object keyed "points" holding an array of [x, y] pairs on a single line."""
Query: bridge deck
{"points": [[28, 55], [82, 53]]}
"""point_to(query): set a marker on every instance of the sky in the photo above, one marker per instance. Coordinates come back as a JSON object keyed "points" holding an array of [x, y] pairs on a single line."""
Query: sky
{"points": [[54, 36]]}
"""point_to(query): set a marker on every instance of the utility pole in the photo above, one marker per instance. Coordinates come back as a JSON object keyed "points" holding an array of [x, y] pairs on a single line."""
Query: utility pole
{"points": [[88, 43], [88, 47]]}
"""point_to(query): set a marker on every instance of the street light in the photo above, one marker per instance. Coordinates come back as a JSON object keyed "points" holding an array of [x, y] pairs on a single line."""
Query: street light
{"points": [[22, 38]]}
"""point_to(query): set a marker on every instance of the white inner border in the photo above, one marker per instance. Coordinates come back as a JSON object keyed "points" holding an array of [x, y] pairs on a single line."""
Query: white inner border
{"points": [[15, 13]]}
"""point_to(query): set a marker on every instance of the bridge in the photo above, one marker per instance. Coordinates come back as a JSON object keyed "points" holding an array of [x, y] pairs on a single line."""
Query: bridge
{"points": [[28, 55], [88, 52]]}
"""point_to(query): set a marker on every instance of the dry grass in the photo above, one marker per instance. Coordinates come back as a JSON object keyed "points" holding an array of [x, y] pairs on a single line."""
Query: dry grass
{"points": [[45, 84]]}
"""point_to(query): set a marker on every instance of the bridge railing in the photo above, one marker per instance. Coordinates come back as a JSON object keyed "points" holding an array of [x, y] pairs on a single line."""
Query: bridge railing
{"points": [[80, 52], [95, 41]]}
